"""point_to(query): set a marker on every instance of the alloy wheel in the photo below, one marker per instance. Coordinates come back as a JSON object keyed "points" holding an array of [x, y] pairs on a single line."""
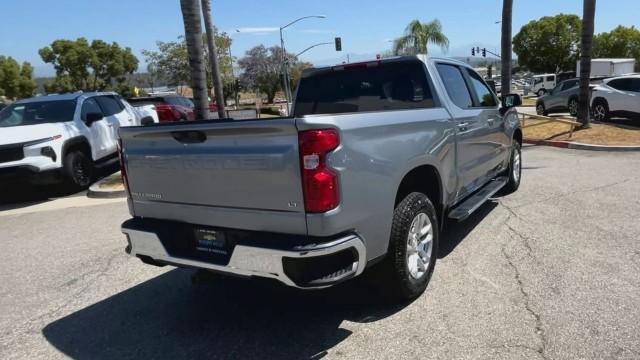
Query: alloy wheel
{"points": [[419, 245]]}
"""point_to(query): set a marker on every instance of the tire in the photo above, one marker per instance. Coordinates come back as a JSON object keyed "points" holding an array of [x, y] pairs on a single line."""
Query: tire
{"points": [[401, 272], [573, 107], [514, 172], [78, 169], [600, 110], [540, 110], [541, 92]]}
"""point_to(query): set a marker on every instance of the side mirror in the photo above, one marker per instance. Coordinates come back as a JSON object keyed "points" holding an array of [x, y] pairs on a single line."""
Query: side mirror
{"points": [[511, 100], [92, 117], [147, 120]]}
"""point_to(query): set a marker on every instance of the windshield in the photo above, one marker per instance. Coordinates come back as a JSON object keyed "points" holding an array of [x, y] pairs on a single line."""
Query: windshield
{"points": [[34, 113]]}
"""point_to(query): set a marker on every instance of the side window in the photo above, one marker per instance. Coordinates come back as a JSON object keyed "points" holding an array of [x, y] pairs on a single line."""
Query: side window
{"points": [[89, 106], [110, 106], [483, 93], [551, 78], [455, 85], [569, 84], [635, 84], [173, 100], [622, 84]]}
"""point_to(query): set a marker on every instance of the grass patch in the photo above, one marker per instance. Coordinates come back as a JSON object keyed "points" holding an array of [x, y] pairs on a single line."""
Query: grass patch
{"points": [[598, 134]]}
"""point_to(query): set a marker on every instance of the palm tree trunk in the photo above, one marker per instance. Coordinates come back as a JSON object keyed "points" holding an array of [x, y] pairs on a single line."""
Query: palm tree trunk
{"points": [[213, 57], [507, 9], [193, 36], [588, 15]]}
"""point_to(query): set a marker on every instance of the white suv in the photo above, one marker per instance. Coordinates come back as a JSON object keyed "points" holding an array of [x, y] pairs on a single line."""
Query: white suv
{"points": [[61, 137], [618, 96]]}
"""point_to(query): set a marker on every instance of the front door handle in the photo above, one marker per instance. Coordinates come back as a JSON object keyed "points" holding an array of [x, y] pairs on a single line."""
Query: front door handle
{"points": [[491, 121], [463, 126]]}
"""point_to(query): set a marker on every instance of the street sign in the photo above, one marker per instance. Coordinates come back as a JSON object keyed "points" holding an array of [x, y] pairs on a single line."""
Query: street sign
{"points": [[338, 44]]}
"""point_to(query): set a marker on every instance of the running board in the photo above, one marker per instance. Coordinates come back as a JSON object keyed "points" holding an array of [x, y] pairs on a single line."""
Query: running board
{"points": [[471, 204]]}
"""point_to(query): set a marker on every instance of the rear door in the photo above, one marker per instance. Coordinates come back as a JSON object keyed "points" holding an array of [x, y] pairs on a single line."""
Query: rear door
{"points": [[496, 140], [473, 131]]}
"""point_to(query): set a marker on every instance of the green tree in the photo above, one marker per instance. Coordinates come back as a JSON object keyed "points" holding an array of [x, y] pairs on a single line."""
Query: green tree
{"points": [[171, 62], [16, 81], [621, 42], [418, 35], [81, 65], [295, 73], [549, 44], [261, 69]]}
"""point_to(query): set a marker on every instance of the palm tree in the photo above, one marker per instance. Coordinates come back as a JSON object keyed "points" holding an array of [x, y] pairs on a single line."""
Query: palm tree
{"points": [[213, 57], [418, 35], [506, 48], [586, 44], [193, 36]]}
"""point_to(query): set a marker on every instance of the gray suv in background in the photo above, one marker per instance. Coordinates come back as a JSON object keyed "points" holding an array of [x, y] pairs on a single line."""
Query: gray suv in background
{"points": [[562, 98]]}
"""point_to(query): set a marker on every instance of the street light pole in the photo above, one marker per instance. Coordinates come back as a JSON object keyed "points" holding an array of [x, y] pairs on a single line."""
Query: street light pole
{"points": [[285, 60]]}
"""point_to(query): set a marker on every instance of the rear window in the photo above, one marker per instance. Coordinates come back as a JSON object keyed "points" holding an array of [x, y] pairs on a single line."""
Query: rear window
{"points": [[391, 86]]}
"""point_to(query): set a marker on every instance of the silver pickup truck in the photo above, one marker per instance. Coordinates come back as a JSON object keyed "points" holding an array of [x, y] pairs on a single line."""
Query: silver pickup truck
{"points": [[374, 158]]}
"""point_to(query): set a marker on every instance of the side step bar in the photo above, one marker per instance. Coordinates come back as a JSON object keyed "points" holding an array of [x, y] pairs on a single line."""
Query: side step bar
{"points": [[472, 203]]}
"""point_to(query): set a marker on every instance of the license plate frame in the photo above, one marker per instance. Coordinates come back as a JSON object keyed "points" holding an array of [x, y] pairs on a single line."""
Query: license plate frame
{"points": [[211, 241]]}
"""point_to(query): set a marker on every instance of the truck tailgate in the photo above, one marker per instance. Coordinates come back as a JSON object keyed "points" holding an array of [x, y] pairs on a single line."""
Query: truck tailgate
{"points": [[242, 174]]}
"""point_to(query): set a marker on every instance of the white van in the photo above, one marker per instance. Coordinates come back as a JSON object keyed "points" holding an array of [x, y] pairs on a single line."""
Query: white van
{"points": [[542, 84]]}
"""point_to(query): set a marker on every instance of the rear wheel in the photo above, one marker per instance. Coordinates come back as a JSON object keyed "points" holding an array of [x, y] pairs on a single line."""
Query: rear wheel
{"points": [[540, 110], [541, 92], [600, 110], [413, 247], [78, 169], [573, 107]]}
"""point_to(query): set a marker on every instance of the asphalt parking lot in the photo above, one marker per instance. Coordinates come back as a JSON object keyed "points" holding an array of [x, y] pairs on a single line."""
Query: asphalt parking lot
{"points": [[551, 272]]}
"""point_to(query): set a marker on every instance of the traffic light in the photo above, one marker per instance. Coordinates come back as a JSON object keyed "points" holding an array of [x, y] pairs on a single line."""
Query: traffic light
{"points": [[484, 52], [473, 52], [338, 44]]}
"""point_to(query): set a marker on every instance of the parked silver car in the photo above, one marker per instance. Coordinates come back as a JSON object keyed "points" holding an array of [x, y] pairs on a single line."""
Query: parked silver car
{"points": [[563, 98]]}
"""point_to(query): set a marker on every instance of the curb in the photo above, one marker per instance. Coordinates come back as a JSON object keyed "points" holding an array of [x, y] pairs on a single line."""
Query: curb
{"points": [[580, 146], [95, 191]]}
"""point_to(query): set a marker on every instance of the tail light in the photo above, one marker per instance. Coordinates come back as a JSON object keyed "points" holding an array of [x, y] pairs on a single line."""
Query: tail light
{"points": [[167, 113], [123, 167], [319, 182]]}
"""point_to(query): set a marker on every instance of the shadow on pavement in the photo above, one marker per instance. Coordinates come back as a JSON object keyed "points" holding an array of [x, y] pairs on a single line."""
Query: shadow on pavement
{"points": [[455, 232], [169, 318], [20, 194]]}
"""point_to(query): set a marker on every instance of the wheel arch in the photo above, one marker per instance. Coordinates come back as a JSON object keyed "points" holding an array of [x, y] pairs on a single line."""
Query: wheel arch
{"points": [[77, 143], [427, 180]]}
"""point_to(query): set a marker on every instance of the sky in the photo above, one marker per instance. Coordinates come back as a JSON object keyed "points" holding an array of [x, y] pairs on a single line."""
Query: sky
{"points": [[365, 26]]}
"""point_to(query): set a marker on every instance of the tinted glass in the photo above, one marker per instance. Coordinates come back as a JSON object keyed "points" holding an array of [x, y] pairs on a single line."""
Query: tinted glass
{"points": [[37, 113], [89, 106], [110, 106], [550, 78], [621, 84], [483, 93], [635, 84], [379, 87], [569, 84], [455, 85], [174, 100]]}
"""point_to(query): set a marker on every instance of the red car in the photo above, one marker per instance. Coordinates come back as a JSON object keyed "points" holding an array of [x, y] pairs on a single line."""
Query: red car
{"points": [[168, 107]]}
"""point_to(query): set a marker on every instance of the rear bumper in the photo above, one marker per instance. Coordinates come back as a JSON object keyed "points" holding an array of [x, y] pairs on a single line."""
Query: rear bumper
{"points": [[305, 266]]}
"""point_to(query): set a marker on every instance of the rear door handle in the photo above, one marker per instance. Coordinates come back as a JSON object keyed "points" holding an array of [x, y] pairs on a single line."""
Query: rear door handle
{"points": [[189, 137], [491, 121]]}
